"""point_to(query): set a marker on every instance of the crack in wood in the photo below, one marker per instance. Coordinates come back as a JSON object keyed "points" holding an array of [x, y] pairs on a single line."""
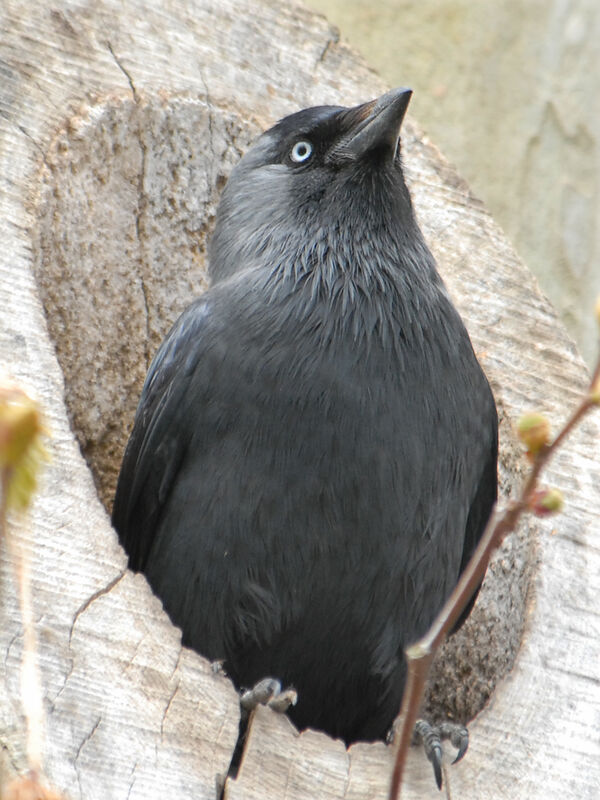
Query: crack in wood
{"points": [[92, 599], [80, 748], [124, 71], [332, 40], [166, 711]]}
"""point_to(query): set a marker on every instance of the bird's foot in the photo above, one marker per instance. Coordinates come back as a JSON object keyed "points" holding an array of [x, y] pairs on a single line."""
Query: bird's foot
{"points": [[432, 737], [268, 692], [264, 693]]}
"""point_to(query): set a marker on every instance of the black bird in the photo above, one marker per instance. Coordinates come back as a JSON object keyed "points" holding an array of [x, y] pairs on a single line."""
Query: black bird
{"points": [[313, 458]]}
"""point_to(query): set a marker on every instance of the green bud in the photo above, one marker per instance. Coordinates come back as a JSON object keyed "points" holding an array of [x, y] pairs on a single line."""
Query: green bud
{"points": [[534, 432], [19, 425], [21, 448], [544, 502]]}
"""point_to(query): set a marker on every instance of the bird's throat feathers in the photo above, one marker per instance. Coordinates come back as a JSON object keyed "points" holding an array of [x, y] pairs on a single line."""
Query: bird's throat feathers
{"points": [[348, 282]]}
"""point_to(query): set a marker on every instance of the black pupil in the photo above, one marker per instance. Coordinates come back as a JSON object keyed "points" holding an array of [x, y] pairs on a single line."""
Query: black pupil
{"points": [[301, 150]]}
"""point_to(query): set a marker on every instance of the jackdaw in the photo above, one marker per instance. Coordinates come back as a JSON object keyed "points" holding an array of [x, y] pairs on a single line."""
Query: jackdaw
{"points": [[313, 457]]}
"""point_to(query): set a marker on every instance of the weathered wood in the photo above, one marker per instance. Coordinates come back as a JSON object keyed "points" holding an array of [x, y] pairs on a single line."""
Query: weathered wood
{"points": [[118, 124]]}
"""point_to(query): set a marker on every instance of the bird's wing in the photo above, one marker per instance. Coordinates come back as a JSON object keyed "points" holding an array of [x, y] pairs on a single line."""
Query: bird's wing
{"points": [[481, 508], [157, 445]]}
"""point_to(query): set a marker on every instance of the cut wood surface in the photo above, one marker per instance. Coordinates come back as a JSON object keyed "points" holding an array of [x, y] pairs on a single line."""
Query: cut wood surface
{"points": [[119, 123]]}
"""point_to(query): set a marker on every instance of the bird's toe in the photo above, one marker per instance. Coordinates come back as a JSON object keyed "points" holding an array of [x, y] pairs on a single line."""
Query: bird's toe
{"points": [[457, 735], [282, 701], [432, 737], [268, 692]]}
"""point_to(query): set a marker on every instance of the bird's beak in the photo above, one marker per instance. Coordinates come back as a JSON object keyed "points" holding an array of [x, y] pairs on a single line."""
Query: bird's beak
{"points": [[373, 126]]}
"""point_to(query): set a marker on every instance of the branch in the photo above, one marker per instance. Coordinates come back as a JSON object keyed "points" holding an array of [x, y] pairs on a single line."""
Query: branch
{"points": [[21, 453], [534, 431]]}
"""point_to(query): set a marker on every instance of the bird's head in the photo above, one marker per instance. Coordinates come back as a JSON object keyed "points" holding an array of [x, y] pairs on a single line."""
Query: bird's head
{"points": [[322, 170]]}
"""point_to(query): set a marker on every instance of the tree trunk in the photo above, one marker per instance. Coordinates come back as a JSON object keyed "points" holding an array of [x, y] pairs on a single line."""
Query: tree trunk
{"points": [[119, 124]]}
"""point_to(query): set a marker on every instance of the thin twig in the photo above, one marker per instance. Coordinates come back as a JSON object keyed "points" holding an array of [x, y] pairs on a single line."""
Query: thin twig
{"points": [[445, 772], [421, 654], [3, 492], [21, 452], [31, 692]]}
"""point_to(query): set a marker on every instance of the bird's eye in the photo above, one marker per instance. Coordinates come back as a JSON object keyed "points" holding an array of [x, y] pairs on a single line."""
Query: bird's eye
{"points": [[301, 151]]}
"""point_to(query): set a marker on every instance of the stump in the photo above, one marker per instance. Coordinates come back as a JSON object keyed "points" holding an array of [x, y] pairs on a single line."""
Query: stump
{"points": [[120, 124]]}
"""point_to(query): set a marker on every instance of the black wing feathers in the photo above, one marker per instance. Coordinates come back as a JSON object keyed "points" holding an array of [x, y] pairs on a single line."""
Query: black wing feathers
{"points": [[481, 507], [158, 443]]}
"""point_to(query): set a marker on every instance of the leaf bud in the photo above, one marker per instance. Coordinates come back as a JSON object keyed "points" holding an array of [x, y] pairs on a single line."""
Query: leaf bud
{"points": [[544, 502], [534, 432]]}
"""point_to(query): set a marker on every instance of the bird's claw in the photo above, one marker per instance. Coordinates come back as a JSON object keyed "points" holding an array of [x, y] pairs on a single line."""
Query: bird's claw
{"points": [[268, 693], [283, 700], [260, 694], [457, 735], [432, 737]]}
